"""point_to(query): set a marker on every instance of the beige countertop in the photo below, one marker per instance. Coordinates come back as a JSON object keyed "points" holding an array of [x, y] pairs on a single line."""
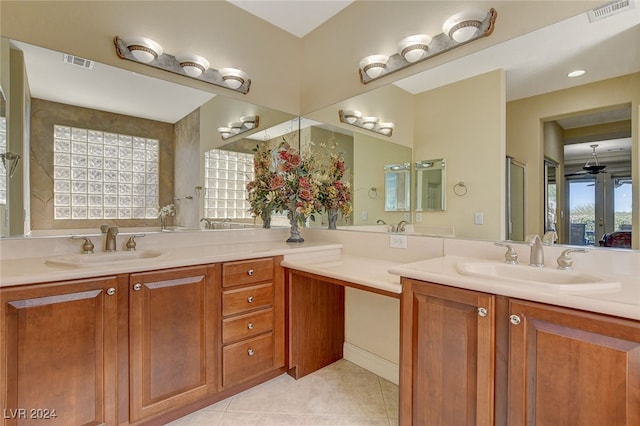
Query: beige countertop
{"points": [[31, 270], [623, 301]]}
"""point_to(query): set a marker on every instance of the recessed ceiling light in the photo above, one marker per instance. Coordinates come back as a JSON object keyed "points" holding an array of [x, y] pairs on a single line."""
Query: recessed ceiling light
{"points": [[576, 73]]}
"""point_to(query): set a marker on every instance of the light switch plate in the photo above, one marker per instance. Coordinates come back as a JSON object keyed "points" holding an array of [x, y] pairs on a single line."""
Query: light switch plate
{"points": [[478, 218], [398, 241]]}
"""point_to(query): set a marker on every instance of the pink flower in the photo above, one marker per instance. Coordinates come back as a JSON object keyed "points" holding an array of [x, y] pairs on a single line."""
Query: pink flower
{"points": [[276, 182], [305, 194]]}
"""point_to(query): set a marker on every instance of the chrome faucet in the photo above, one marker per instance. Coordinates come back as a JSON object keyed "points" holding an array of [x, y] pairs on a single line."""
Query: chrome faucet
{"points": [[381, 221], [536, 259], [400, 226], [207, 223], [110, 244]]}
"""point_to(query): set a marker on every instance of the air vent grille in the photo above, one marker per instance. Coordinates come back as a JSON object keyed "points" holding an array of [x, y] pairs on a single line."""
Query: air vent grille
{"points": [[78, 61], [609, 10]]}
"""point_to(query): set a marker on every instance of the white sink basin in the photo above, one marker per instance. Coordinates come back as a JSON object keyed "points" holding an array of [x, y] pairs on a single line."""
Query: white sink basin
{"points": [[101, 259], [543, 277]]}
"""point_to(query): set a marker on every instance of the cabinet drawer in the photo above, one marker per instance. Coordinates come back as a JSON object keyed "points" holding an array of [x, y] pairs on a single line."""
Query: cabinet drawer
{"points": [[246, 272], [247, 325], [246, 299], [246, 359]]}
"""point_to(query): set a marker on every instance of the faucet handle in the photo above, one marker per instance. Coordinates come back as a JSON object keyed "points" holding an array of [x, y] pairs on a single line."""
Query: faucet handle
{"points": [[87, 246], [511, 256], [131, 242], [565, 262], [104, 228]]}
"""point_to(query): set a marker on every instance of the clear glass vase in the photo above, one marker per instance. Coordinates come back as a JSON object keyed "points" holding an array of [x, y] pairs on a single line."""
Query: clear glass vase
{"points": [[265, 215]]}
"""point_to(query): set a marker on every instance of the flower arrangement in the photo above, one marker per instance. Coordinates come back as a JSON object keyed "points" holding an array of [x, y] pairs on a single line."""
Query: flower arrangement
{"points": [[296, 186], [168, 210], [335, 192], [261, 197]]}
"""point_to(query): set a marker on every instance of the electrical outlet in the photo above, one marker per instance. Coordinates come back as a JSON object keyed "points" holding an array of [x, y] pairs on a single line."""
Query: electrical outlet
{"points": [[365, 216], [418, 217], [478, 218], [398, 241]]}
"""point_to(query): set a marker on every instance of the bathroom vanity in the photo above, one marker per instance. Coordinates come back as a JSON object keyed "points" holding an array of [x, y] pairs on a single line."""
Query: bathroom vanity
{"points": [[482, 350]]}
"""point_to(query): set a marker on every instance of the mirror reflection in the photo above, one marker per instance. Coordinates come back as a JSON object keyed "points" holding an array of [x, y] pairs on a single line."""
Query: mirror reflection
{"points": [[397, 187], [430, 185], [106, 146]]}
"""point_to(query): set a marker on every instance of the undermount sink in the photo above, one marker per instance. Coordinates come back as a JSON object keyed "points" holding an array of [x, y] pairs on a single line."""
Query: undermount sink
{"points": [[101, 259], [543, 277]]}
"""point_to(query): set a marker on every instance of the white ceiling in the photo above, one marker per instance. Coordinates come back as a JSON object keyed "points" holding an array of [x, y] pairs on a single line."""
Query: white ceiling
{"points": [[298, 17], [535, 63]]}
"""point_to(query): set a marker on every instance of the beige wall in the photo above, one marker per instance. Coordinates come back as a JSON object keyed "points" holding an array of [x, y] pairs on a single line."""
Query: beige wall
{"points": [[370, 156], [525, 136], [290, 74], [464, 123]]}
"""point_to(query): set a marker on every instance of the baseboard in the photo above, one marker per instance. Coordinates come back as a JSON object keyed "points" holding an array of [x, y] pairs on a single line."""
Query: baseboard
{"points": [[372, 362]]}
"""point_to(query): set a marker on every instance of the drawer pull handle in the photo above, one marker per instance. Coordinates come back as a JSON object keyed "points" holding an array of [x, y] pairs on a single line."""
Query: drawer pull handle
{"points": [[250, 299], [250, 352], [250, 272], [111, 291], [250, 326], [137, 287]]}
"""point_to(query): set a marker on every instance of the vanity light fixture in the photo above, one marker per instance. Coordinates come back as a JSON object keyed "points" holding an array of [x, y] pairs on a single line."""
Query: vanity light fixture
{"points": [[148, 52], [355, 118], [414, 47], [193, 65], [459, 29], [463, 26], [374, 65], [246, 123], [351, 115]]}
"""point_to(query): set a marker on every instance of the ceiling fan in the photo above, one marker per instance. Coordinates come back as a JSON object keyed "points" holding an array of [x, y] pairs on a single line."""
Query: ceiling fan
{"points": [[592, 166]]}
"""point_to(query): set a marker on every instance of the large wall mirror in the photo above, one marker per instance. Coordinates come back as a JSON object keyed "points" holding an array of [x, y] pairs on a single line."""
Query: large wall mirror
{"points": [[110, 146]]}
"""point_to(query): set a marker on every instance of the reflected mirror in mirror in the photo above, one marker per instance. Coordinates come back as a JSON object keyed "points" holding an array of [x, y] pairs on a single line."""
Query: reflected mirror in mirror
{"points": [[430, 185], [397, 187], [122, 138]]}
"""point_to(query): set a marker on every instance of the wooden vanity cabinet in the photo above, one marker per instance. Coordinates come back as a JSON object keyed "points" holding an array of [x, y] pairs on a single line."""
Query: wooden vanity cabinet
{"points": [[447, 343], [252, 320], [59, 352], [518, 363], [572, 367], [172, 335]]}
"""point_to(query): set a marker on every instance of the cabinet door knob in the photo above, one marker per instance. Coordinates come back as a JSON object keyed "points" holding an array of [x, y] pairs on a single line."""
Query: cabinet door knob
{"points": [[250, 272], [137, 287], [514, 319], [111, 291], [250, 352], [250, 326], [250, 299], [482, 312]]}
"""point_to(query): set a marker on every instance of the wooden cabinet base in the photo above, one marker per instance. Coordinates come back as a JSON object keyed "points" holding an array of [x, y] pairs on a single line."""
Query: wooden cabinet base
{"points": [[316, 323]]}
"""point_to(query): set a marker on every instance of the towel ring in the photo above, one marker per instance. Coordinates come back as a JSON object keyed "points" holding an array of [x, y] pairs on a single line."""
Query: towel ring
{"points": [[460, 189], [374, 191]]}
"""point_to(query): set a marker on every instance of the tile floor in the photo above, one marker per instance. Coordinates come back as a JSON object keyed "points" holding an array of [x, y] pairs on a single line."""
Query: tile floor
{"points": [[339, 394]]}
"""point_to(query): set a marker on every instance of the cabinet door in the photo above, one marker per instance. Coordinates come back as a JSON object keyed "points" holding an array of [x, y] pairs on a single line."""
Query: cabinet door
{"points": [[569, 367], [447, 355], [59, 343], [172, 338]]}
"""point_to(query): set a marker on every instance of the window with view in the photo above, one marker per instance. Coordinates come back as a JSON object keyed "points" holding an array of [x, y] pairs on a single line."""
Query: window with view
{"points": [[226, 176], [102, 175]]}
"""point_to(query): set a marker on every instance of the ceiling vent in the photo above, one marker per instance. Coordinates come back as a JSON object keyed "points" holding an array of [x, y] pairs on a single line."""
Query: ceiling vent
{"points": [[610, 9], [76, 60]]}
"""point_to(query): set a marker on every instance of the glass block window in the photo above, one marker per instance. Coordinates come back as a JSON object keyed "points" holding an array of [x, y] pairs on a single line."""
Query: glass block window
{"points": [[3, 171], [226, 175], [101, 175]]}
